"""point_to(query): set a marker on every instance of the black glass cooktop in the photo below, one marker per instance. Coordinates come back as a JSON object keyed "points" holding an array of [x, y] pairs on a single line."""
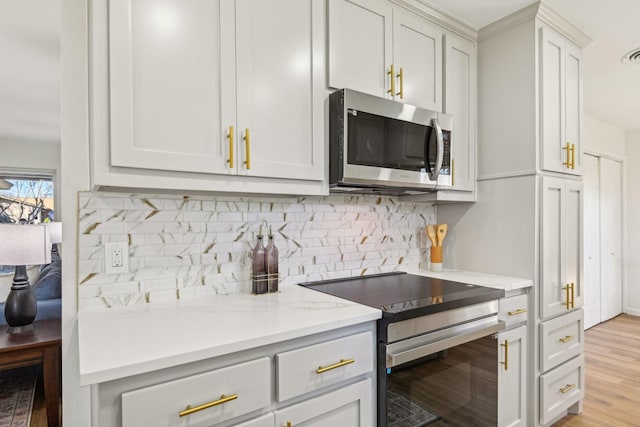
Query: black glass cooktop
{"points": [[401, 296]]}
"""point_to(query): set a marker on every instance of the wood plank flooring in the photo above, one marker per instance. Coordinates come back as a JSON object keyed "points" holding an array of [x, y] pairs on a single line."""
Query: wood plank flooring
{"points": [[612, 376]]}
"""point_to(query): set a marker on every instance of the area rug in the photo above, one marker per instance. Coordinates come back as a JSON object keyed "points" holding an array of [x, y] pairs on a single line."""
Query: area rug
{"points": [[401, 412], [16, 400]]}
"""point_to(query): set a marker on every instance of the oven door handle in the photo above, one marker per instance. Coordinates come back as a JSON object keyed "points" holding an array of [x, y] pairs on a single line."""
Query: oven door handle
{"points": [[403, 351]]}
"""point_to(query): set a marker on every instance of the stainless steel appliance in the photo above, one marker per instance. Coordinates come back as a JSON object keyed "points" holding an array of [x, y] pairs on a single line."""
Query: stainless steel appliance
{"points": [[437, 354], [384, 146]]}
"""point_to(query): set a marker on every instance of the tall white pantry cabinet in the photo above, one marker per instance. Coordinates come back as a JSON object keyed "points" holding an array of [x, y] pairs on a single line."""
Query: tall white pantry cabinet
{"points": [[527, 221]]}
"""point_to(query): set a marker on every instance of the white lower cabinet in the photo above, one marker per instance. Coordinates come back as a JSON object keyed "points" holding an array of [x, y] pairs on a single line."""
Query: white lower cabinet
{"points": [[321, 380], [560, 389], [512, 377], [204, 399], [349, 406]]}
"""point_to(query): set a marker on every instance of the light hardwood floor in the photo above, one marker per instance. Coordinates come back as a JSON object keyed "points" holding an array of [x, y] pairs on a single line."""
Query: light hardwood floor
{"points": [[612, 376]]}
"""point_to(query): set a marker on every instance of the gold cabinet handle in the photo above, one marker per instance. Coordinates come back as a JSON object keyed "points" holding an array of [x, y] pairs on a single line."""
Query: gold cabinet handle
{"points": [[453, 172], [516, 312], [247, 146], [567, 147], [392, 77], [567, 388], [223, 399], [342, 362], [567, 289], [289, 424], [506, 355], [573, 295], [401, 77], [567, 338], [573, 156], [230, 161]]}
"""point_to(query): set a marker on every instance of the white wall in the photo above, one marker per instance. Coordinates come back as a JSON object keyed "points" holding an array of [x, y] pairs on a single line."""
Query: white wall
{"points": [[602, 138], [632, 259], [76, 403]]}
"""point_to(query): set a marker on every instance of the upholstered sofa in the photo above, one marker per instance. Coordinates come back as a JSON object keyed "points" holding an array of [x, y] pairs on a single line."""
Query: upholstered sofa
{"points": [[47, 290]]}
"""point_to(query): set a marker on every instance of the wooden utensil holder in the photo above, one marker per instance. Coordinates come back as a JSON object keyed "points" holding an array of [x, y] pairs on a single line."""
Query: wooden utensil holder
{"points": [[436, 258]]}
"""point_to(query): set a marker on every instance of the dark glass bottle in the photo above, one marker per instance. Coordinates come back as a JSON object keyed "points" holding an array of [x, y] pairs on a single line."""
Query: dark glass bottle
{"points": [[272, 263], [259, 267]]}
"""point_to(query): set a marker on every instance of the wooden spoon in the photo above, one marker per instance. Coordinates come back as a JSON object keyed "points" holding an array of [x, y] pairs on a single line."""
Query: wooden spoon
{"points": [[431, 232], [441, 233]]}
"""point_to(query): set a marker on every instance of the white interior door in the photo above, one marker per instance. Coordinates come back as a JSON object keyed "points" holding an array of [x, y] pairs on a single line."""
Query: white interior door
{"points": [[592, 299], [611, 238]]}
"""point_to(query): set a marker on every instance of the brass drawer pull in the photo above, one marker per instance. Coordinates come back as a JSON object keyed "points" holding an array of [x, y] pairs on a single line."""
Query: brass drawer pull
{"points": [[247, 146], [392, 78], [506, 355], [231, 148], [223, 399], [401, 77], [567, 289], [516, 312], [342, 362], [567, 338], [567, 388]]}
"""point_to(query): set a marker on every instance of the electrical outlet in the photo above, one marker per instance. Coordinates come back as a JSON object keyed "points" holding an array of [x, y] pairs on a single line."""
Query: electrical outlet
{"points": [[116, 257]]}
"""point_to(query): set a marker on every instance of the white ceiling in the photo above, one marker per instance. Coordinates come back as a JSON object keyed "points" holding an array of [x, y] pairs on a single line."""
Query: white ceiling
{"points": [[30, 52], [611, 89]]}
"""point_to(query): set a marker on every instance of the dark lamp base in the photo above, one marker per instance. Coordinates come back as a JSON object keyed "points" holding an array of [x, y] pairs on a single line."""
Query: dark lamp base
{"points": [[20, 308]]}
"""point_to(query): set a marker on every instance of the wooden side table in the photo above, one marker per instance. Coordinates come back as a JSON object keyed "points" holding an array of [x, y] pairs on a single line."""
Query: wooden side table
{"points": [[41, 345]]}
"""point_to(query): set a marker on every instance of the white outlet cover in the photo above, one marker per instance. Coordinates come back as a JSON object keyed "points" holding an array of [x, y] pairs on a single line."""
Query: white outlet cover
{"points": [[109, 249]]}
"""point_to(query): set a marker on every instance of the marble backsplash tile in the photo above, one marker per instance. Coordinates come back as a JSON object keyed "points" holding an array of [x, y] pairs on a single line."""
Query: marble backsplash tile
{"points": [[188, 246]]}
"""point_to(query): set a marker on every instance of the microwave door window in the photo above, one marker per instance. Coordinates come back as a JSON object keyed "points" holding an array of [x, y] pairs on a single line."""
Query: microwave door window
{"points": [[366, 139]]}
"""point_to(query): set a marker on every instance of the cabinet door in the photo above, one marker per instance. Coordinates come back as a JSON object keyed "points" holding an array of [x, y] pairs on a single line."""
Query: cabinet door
{"points": [[279, 83], [561, 104], [166, 99], [360, 45], [417, 57], [553, 296], [573, 105], [460, 102], [512, 378], [349, 406], [573, 256], [561, 246]]}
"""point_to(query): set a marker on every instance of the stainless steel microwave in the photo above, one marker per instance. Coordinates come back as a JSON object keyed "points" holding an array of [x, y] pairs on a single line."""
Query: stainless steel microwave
{"points": [[378, 145]]}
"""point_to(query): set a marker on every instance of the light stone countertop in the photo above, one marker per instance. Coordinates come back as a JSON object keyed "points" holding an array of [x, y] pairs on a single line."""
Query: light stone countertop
{"points": [[489, 280], [121, 342]]}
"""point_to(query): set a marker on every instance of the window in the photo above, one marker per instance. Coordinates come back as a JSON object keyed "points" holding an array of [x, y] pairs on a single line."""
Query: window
{"points": [[26, 199]]}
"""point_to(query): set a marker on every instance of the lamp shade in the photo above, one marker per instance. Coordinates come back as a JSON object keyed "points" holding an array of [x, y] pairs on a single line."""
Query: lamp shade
{"points": [[24, 244], [55, 231]]}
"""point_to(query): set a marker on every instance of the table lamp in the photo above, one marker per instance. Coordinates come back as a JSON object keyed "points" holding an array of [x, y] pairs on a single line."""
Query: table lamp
{"points": [[22, 245], [55, 233]]}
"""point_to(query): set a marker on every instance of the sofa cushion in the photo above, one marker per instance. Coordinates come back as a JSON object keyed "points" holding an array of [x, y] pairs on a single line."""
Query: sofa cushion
{"points": [[49, 285]]}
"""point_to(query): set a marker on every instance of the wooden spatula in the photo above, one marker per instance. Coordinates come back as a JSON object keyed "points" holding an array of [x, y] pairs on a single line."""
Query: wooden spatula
{"points": [[431, 232], [441, 233]]}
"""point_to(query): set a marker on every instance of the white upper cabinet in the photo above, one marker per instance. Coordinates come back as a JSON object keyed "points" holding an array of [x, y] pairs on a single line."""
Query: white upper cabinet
{"points": [[459, 101], [561, 246], [360, 45], [165, 93], [385, 51], [561, 103], [232, 87], [417, 59]]}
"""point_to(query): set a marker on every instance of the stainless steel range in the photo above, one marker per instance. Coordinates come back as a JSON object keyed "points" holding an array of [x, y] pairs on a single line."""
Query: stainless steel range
{"points": [[437, 355]]}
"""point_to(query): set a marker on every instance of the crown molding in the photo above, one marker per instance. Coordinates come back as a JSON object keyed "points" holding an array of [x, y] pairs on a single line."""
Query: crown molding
{"points": [[542, 11], [439, 17]]}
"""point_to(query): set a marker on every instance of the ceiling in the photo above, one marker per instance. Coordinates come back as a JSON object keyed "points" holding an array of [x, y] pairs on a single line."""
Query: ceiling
{"points": [[30, 48], [611, 89]]}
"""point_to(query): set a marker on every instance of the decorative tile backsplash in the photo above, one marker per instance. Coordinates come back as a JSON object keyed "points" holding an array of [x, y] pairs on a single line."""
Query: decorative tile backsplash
{"points": [[188, 246]]}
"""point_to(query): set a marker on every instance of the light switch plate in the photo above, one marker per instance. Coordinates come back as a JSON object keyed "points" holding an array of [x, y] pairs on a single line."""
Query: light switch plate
{"points": [[116, 257]]}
